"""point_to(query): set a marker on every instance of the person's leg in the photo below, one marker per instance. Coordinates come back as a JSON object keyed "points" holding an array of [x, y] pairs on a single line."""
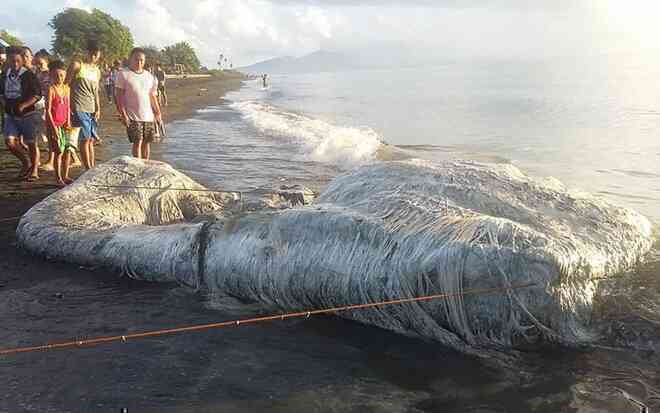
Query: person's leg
{"points": [[92, 153], [14, 146], [29, 127], [85, 153], [12, 133], [52, 149], [66, 162], [81, 133], [146, 150], [165, 96], [148, 134], [134, 133], [33, 147], [88, 135], [57, 167], [56, 150], [137, 148], [75, 136]]}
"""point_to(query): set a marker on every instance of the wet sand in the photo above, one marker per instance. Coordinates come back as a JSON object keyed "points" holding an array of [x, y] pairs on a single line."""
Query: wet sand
{"points": [[324, 364]]}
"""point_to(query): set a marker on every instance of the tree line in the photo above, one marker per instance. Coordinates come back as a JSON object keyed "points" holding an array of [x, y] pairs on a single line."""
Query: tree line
{"points": [[73, 28]]}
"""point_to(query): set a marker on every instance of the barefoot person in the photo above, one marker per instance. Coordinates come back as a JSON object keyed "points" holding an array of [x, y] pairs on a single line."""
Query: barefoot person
{"points": [[20, 90], [41, 59], [84, 78], [136, 93], [58, 111]]}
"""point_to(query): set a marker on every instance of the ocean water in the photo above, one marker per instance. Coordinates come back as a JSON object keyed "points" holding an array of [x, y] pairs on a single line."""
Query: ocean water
{"points": [[591, 124]]}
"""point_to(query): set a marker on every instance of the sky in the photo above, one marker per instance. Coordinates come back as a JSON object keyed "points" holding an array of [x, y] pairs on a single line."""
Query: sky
{"points": [[252, 30]]}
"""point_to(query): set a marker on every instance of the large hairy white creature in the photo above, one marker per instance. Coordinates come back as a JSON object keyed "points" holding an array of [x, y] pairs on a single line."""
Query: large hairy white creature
{"points": [[383, 231]]}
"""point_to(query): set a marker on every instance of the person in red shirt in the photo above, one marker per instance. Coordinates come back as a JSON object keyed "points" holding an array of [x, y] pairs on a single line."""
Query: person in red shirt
{"points": [[58, 113]]}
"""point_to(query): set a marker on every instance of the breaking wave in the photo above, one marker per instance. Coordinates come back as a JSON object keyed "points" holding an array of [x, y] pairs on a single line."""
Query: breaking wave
{"points": [[319, 140]]}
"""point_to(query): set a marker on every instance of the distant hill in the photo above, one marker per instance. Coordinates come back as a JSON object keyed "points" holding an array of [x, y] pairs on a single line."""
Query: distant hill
{"points": [[321, 61]]}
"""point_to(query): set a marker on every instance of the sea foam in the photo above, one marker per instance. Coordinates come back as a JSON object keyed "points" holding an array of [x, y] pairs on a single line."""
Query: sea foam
{"points": [[319, 140]]}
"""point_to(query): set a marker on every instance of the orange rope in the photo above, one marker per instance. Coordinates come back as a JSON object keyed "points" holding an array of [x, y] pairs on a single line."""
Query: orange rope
{"points": [[10, 219], [236, 323]]}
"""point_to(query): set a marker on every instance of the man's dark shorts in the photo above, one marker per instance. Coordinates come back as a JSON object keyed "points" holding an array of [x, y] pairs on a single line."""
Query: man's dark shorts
{"points": [[141, 131]]}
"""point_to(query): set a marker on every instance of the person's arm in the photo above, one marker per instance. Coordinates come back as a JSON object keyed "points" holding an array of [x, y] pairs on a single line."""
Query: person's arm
{"points": [[72, 72], [49, 109], [155, 105], [97, 103], [68, 110], [155, 108], [119, 99]]}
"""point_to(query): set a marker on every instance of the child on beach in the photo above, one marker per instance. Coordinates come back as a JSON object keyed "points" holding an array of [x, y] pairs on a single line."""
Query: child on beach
{"points": [[58, 112]]}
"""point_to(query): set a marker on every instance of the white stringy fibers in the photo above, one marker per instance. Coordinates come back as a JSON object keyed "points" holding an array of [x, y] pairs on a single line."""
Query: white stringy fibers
{"points": [[383, 231]]}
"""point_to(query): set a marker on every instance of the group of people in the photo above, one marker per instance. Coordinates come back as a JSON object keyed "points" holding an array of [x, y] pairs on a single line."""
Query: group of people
{"points": [[43, 96]]}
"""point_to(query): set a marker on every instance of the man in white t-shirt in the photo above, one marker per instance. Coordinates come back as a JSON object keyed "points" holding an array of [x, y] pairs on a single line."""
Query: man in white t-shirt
{"points": [[136, 95]]}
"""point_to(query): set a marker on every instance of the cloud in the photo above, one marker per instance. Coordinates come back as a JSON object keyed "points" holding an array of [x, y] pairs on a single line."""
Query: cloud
{"points": [[252, 30]]}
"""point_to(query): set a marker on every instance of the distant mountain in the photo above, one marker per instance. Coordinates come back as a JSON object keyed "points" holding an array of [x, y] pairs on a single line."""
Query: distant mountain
{"points": [[269, 66], [320, 61]]}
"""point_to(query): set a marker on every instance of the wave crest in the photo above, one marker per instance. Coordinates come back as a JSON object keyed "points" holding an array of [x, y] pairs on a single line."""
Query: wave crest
{"points": [[319, 140]]}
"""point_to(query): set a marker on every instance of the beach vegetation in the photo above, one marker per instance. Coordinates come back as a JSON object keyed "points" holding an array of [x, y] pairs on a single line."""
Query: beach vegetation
{"points": [[153, 55], [74, 28], [10, 38], [182, 53]]}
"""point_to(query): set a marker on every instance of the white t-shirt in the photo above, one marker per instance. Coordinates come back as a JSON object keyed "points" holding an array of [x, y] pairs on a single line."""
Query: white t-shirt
{"points": [[137, 90]]}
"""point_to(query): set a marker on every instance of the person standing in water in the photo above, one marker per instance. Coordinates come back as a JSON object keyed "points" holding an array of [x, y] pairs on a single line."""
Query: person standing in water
{"points": [[265, 80], [84, 78], [136, 94]]}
